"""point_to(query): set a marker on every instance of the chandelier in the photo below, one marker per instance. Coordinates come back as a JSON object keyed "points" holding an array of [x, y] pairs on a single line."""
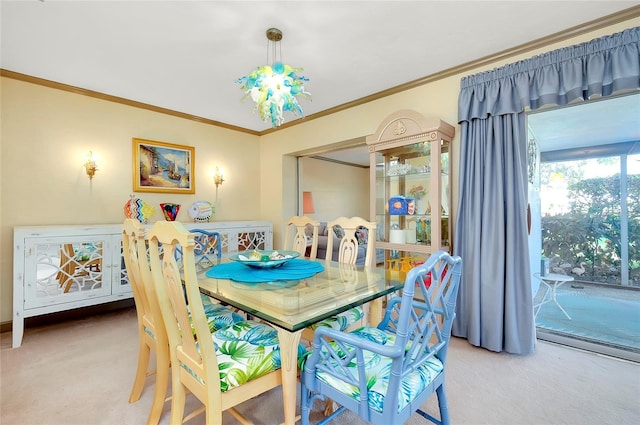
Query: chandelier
{"points": [[274, 87]]}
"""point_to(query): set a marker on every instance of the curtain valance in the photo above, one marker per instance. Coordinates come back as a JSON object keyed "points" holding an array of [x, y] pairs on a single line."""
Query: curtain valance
{"points": [[598, 67]]}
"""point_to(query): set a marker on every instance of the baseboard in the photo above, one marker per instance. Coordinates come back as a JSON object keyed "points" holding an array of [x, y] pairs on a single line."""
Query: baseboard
{"points": [[586, 345], [73, 314]]}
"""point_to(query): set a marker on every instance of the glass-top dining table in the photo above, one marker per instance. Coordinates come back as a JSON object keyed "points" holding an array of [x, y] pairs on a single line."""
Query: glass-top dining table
{"points": [[291, 303]]}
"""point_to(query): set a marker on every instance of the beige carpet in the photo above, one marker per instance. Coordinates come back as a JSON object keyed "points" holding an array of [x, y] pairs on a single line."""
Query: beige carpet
{"points": [[80, 372]]}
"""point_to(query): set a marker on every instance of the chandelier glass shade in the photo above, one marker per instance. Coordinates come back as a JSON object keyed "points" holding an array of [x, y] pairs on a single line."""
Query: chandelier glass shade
{"points": [[275, 88]]}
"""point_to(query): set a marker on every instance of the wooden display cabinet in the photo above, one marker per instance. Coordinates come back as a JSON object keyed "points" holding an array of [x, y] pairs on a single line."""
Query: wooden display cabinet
{"points": [[411, 187]]}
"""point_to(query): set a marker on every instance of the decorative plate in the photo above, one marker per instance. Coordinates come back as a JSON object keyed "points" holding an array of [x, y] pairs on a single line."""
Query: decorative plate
{"points": [[201, 211], [265, 261]]}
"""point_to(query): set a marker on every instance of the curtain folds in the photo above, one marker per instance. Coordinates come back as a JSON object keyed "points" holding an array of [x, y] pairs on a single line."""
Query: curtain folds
{"points": [[600, 67], [495, 306]]}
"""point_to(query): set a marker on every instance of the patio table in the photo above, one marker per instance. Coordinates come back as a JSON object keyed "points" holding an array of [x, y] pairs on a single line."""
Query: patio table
{"points": [[551, 281]]}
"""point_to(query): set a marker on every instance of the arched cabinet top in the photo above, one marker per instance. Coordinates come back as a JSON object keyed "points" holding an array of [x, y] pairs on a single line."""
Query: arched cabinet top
{"points": [[406, 125]]}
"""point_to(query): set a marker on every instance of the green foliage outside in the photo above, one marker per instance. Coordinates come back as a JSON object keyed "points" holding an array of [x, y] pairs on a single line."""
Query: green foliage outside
{"points": [[589, 232]]}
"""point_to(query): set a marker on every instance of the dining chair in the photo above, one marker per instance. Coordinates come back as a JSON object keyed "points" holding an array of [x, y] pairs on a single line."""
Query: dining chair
{"points": [[347, 230], [207, 249], [152, 334], [222, 369], [299, 241], [385, 374]]}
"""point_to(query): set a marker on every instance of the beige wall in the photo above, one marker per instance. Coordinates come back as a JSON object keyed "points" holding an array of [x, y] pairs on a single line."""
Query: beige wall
{"points": [[46, 134], [437, 99], [337, 189]]}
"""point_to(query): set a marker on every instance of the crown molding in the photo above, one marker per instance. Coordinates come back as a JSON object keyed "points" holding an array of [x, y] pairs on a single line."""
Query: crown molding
{"points": [[120, 100]]}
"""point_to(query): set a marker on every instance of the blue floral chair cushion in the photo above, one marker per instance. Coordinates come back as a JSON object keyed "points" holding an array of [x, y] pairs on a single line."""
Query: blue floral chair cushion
{"points": [[342, 321], [378, 368], [218, 316], [246, 350]]}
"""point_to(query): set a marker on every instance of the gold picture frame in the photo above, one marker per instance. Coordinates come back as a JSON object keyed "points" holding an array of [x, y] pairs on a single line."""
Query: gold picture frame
{"points": [[163, 167]]}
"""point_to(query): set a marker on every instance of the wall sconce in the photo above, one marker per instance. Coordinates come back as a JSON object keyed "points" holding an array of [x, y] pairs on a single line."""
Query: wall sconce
{"points": [[218, 179], [90, 166]]}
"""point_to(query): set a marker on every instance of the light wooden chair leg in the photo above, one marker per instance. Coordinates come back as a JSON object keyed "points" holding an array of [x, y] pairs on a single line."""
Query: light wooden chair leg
{"points": [[162, 383], [330, 407], [178, 399], [144, 353]]}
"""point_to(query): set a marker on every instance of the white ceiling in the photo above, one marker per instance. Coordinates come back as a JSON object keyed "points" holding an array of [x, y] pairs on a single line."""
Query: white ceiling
{"points": [[186, 55], [601, 122]]}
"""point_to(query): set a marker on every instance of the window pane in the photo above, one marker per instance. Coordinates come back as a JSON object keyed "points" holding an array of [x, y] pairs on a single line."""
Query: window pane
{"points": [[633, 213], [581, 218]]}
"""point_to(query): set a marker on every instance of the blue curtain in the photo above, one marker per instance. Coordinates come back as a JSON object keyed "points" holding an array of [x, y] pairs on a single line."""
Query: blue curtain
{"points": [[495, 306]]}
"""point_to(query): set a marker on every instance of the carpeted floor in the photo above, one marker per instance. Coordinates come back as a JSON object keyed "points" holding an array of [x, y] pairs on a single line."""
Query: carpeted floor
{"points": [[80, 372], [600, 313]]}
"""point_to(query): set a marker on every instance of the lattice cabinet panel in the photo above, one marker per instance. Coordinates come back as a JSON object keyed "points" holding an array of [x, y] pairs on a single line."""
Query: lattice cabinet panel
{"points": [[62, 268]]}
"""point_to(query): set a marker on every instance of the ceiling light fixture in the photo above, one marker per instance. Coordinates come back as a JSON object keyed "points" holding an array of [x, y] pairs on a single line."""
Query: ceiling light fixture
{"points": [[274, 87]]}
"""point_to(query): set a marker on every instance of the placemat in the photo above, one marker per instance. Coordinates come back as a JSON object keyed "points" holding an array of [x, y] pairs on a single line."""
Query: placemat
{"points": [[294, 269]]}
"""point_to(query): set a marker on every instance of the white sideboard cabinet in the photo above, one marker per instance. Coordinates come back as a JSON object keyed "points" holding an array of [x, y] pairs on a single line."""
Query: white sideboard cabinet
{"points": [[58, 268]]}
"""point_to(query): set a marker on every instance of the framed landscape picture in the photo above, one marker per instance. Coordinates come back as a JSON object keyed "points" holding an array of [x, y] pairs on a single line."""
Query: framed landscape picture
{"points": [[163, 167]]}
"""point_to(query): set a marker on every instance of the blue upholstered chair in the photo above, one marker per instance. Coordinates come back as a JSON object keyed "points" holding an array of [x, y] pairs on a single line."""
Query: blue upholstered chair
{"points": [[385, 373], [207, 249]]}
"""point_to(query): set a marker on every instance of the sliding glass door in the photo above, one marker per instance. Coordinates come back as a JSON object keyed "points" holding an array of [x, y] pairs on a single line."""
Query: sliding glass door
{"points": [[590, 232]]}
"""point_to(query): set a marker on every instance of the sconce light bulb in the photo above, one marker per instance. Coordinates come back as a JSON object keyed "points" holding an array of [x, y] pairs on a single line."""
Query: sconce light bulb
{"points": [[90, 166], [218, 179]]}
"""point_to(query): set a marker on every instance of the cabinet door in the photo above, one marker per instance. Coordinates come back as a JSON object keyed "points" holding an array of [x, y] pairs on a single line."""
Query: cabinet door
{"points": [[250, 239], [66, 268], [403, 194], [119, 275], [411, 194]]}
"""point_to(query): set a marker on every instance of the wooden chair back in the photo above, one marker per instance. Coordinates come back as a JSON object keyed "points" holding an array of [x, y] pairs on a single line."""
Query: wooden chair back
{"points": [[348, 250], [347, 254], [299, 241]]}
